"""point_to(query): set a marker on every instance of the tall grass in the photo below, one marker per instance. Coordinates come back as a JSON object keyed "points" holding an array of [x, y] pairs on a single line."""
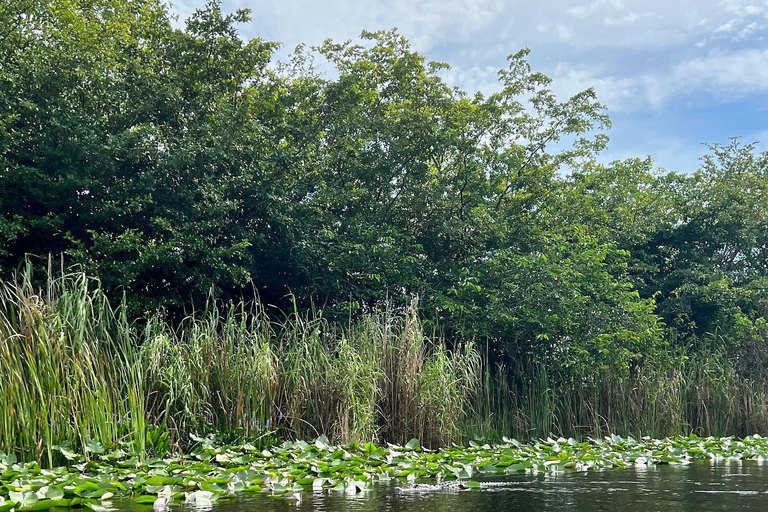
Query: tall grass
{"points": [[75, 372], [382, 378], [68, 372], [216, 372], [703, 395]]}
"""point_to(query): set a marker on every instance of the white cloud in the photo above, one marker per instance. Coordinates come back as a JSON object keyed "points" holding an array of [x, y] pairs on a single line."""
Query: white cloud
{"points": [[617, 93], [639, 55], [580, 11], [424, 22], [730, 26], [628, 19], [740, 72], [670, 152], [743, 8], [761, 138], [724, 76], [748, 31], [430, 23]]}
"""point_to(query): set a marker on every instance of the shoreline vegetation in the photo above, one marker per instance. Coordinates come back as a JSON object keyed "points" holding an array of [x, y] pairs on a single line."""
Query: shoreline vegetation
{"points": [[75, 371], [343, 246], [213, 471]]}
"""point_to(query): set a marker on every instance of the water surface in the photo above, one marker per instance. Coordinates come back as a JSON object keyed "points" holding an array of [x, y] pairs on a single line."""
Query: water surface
{"points": [[700, 487]]}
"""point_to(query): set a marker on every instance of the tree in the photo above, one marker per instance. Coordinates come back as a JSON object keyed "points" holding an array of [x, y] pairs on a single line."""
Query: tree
{"points": [[717, 246], [175, 161], [130, 145]]}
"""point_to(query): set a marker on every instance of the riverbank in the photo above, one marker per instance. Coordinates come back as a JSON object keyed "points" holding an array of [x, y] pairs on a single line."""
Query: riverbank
{"points": [[76, 371], [213, 471]]}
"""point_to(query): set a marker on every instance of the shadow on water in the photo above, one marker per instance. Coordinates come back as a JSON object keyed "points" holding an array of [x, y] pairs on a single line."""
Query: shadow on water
{"points": [[700, 487]]}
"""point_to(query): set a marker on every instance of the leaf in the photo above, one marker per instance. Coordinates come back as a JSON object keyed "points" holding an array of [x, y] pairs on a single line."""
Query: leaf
{"points": [[99, 508], [201, 497], [69, 454], [24, 500], [413, 444], [54, 493], [94, 446]]}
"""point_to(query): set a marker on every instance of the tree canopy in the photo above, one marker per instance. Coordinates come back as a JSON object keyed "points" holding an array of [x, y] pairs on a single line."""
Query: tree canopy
{"points": [[174, 162]]}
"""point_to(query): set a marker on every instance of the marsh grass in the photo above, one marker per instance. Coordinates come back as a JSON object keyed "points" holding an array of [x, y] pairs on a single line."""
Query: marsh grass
{"points": [[68, 372], [701, 395], [382, 378], [215, 372], [76, 372]]}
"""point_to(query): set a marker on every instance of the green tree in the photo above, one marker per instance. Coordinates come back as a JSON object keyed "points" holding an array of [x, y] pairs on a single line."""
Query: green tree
{"points": [[130, 145], [412, 187], [717, 246]]}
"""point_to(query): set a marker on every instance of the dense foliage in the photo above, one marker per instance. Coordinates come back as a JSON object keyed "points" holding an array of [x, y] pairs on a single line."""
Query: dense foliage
{"points": [[174, 163]]}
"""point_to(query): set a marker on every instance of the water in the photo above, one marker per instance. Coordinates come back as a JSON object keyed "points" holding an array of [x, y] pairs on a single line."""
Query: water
{"points": [[700, 487]]}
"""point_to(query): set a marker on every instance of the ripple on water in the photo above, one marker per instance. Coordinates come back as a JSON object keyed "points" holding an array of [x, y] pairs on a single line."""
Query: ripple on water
{"points": [[699, 487]]}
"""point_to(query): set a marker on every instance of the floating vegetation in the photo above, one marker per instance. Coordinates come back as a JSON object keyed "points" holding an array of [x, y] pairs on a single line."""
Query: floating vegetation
{"points": [[213, 472]]}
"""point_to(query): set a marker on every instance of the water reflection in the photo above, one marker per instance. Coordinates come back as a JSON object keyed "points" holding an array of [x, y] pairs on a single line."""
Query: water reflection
{"points": [[697, 488]]}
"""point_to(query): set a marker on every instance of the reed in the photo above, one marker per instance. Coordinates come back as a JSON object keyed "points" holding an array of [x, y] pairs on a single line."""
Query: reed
{"points": [[68, 372], [702, 395], [76, 372]]}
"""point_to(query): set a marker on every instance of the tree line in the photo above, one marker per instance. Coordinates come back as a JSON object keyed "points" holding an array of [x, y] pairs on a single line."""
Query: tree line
{"points": [[179, 162]]}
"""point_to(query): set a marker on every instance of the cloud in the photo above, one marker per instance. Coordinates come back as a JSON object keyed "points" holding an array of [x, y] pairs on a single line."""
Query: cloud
{"points": [[722, 76], [616, 92], [425, 22], [641, 56], [636, 54], [720, 72], [432, 23]]}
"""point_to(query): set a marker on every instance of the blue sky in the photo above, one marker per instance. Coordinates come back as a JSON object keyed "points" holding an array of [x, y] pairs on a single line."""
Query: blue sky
{"points": [[673, 73]]}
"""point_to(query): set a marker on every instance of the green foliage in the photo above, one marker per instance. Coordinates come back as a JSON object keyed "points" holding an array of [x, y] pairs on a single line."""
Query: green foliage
{"points": [[173, 161], [716, 273], [75, 373], [560, 306], [216, 471], [125, 148], [185, 169], [68, 372], [705, 393]]}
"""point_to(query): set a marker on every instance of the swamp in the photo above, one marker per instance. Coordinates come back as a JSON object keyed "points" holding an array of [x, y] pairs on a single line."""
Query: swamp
{"points": [[324, 474], [238, 277]]}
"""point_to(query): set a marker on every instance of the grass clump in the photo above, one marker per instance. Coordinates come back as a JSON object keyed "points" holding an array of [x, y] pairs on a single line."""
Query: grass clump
{"points": [[701, 395], [69, 372], [74, 372]]}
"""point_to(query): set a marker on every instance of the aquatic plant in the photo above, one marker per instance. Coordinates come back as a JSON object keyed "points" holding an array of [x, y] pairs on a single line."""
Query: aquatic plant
{"points": [[76, 373], [69, 374], [212, 471]]}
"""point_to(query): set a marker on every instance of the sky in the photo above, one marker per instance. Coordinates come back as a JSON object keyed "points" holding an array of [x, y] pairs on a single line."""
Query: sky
{"points": [[674, 74]]}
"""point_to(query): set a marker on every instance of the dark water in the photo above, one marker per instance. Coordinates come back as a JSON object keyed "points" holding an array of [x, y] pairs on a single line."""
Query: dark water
{"points": [[701, 487]]}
